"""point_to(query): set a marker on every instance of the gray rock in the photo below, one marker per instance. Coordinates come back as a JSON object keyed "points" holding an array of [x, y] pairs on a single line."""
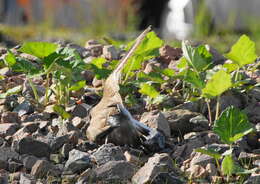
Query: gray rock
{"points": [[27, 179], [200, 123], [201, 159], [179, 121], [4, 178], [58, 142], [37, 117], [77, 161], [10, 102], [24, 108], [155, 119], [10, 117], [95, 50], [196, 171], [110, 52], [155, 165], [253, 112], [8, 129], [66, 148], [3, 165], [230, 98], [43, 168], [81, 110], [7, 153], [108, 152], [14, 166], [115, 171], [29, 161], [253, 179], [165, 177], [78, 122], [30, 146]]}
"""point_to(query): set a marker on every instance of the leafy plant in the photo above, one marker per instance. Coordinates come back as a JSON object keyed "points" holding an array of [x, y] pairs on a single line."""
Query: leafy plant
{"points": [[231, 126]]}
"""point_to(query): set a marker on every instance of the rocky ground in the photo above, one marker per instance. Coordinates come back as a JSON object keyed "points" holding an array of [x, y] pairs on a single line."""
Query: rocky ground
{"points": [[36, 146]]}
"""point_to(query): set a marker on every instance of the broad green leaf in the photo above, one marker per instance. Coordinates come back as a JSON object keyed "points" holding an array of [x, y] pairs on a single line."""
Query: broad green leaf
{"points": [[27, 67], [199, 58], [182, 63], [152, 76], [194, 79], [10, 59], [148, 49], [167, 71], [39, 49], [231, 67], [133, 64], [11, 91], [232, 125], [219, 83], [243, 52], [228, 166], [98, 69], [149, 46], [149, 90], [2, 77], [209, 152], [77, 86], [61, 111]]}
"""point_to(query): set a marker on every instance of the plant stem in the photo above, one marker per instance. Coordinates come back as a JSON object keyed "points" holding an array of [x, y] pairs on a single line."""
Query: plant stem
{"points": [[236, 76], [217, 108], [209, 111], [34, 90], [47, 89]]}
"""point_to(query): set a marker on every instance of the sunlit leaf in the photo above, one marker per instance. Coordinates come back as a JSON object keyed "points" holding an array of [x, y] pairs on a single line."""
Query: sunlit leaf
{"points": [[39, 49], [243, 52], [209, 152], [149, 90], [219, 83], [232, 125], [199, 58], [228, 166], [9, 59], [194, 79], [61, 111], [77, 86]]}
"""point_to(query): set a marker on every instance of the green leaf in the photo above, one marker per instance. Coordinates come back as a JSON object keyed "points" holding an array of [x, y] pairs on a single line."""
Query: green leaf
{"points": [[199, 58], [182, 63], [243, 52], [231, 67], [149, 46], [27, 67], [167, 71], [2, 77], [98, 69], [61, 111], [149, 90], [11, 91], [135, 63], [228, 166], [219, 83], [78, 86], [194, 79], [39, 49], [10, 59], [232, 125], [209, 152], [152, 76]]}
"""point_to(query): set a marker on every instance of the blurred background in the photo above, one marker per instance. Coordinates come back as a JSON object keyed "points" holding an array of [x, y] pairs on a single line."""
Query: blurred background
{"points": [[216, 22]]}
